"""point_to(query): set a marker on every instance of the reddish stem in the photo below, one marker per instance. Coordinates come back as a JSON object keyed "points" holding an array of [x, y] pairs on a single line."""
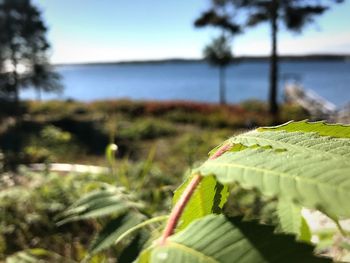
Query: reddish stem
{"points": [[179, 207], [221, 150], [185, 197]]}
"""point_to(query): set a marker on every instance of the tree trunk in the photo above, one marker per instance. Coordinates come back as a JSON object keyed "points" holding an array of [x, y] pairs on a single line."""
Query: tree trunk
{"points": [[15, 75], [273, 106], [222, 85], [38, 94], [15, 86]]}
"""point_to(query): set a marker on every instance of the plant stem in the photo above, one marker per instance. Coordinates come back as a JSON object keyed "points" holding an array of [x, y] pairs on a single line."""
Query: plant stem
{"points": [[335, 220], [185, 197], [141, 225], [220, 151], [341, 229], [179, 207]]}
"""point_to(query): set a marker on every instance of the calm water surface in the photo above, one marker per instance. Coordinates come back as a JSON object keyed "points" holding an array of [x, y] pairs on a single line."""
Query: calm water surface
{"points": [[196, 81]]}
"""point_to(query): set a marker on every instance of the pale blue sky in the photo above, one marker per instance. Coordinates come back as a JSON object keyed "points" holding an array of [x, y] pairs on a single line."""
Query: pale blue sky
{"points": [[119, 30]]}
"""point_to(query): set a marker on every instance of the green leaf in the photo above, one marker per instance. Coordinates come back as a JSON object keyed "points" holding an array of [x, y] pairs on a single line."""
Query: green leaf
{"points": [[291, 220], [131, 252], [299, 142], [304, 167], [113, 230], [320, 127], [209, 197], [289, 215], [107, 201], [120, 229], [219, 239], [305, 231], [144, 256]]}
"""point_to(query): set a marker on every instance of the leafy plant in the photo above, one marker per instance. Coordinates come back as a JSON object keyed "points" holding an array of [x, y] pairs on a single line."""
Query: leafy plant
{"points": [[29, 207], [119, 210], [301, 164]]}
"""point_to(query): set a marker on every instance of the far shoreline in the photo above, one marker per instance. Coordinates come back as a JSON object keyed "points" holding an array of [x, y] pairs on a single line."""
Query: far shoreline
{"points": [[238, 59]]}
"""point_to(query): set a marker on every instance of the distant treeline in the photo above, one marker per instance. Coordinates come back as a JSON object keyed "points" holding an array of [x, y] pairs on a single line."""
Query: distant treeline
{"points": [[296, 58], [313, 57]]}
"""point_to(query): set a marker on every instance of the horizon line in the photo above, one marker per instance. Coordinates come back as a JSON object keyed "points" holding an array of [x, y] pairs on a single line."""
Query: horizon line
{"points": [[189, 59]]}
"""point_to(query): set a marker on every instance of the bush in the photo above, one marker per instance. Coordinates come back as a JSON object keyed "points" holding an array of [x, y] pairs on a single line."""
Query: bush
{"points": [[143, 129], [50, 144], [256, 106]]}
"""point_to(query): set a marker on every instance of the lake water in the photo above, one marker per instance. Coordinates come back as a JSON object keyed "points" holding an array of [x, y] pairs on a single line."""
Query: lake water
{"points": [[196, 81]]}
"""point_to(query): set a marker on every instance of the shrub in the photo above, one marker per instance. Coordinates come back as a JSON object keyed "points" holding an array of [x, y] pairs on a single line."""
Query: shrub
{"points": [[142, 129], [50, 144]]}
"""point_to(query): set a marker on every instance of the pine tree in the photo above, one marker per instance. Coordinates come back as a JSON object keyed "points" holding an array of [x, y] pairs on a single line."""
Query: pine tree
{"points": [[24, 57], [218, 53]]}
